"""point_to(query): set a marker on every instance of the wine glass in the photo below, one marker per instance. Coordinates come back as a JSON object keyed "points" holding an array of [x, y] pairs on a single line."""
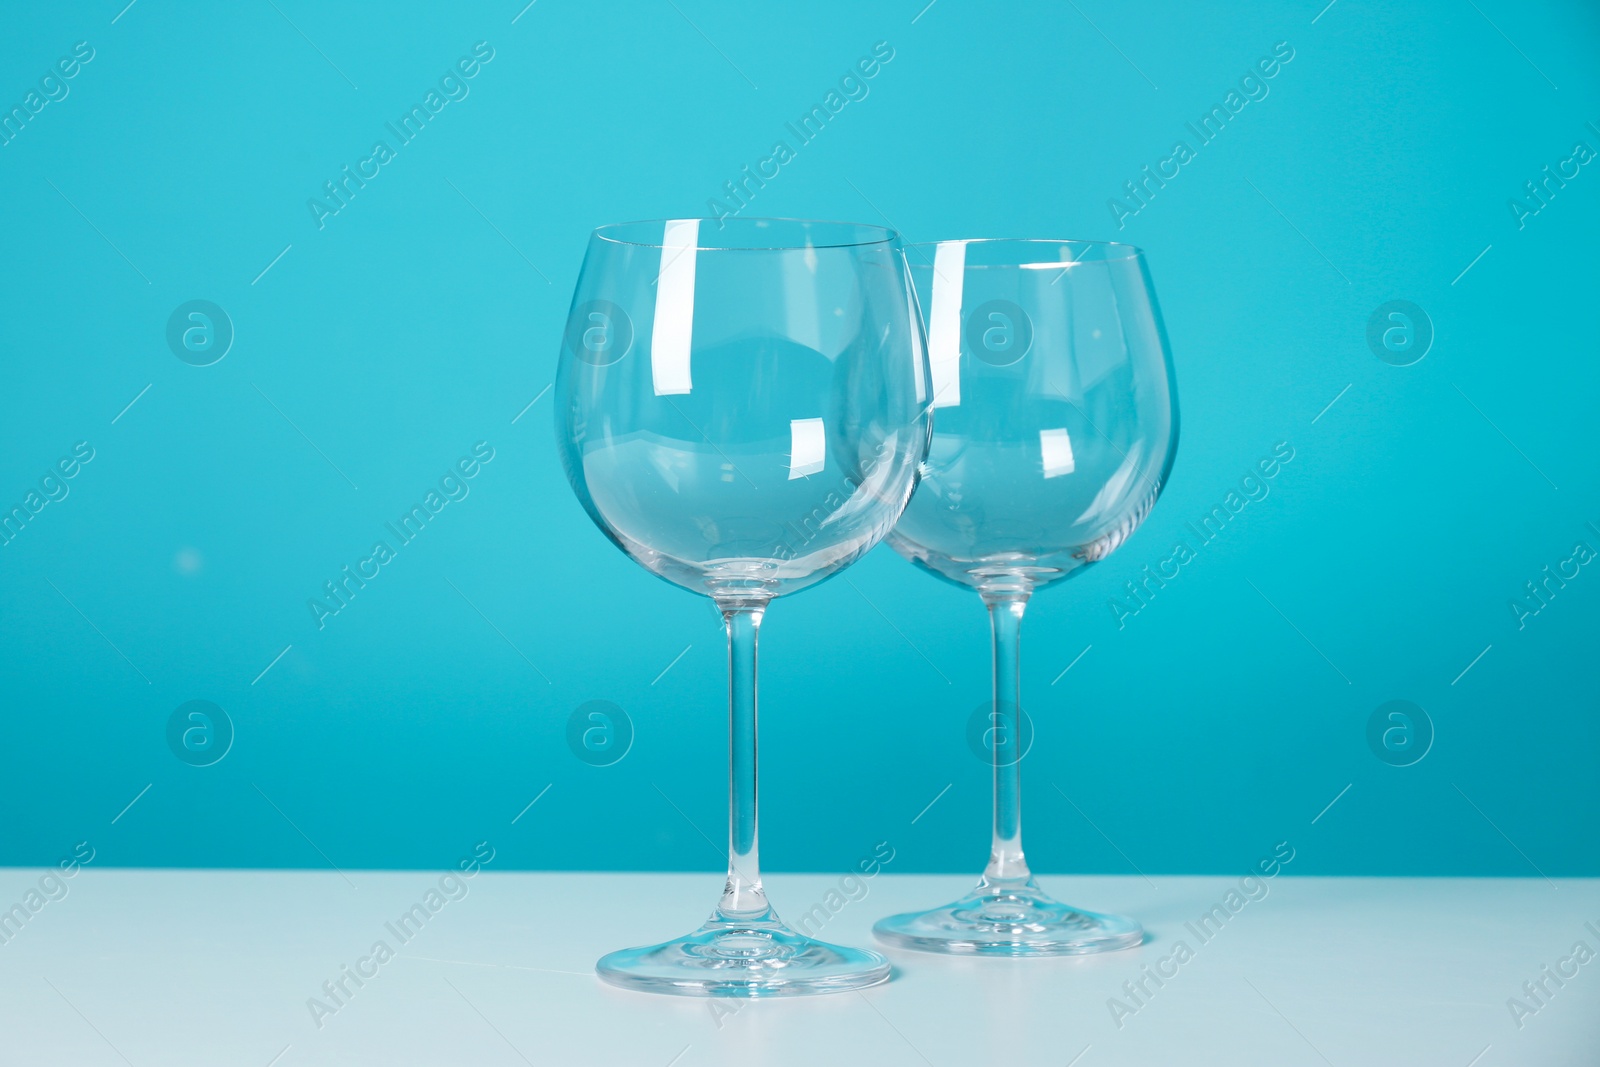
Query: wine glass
{"points": [[741, 407], [1055, 426]]}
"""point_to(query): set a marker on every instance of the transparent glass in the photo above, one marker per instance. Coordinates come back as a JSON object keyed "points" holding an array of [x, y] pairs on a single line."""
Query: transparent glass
{"points": [[1055, 426], [742, 408]]}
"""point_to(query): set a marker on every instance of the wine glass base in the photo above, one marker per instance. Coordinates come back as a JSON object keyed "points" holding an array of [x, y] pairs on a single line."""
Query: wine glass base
{"points": [[727, 958], [1011, 917]]}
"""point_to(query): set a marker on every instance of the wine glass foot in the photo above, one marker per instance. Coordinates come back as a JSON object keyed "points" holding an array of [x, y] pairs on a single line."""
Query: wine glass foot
{"points": [[1012, 917], [731, 958]]}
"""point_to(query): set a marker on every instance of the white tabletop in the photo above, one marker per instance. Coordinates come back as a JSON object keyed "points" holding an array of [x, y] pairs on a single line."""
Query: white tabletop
{"points": [[217, 967]]}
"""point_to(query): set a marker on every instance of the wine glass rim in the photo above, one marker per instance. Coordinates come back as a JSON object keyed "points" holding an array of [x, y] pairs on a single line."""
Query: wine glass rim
{"points": [[866, 234], [1111, 251]]}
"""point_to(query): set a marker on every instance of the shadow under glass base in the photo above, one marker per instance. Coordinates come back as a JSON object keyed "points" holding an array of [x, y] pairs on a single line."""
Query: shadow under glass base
{"points": [[733, 958], [1009, 917]]}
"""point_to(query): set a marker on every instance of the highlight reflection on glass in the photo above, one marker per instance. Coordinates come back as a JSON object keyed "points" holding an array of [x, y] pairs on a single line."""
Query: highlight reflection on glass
{"points": [[1055, 428], [741, 408]]}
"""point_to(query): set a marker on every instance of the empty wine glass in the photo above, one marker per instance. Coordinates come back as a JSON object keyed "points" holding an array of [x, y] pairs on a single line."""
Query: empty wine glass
{"points": [[741, 407], [1055, 426]]}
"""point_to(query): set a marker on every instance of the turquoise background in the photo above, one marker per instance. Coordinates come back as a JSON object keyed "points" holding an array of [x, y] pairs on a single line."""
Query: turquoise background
{"points": [[425, 316]]}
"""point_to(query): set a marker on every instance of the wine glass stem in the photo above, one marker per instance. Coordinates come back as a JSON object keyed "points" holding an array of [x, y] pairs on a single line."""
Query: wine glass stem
{"points": [[743, 899], [1006, 860]]}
